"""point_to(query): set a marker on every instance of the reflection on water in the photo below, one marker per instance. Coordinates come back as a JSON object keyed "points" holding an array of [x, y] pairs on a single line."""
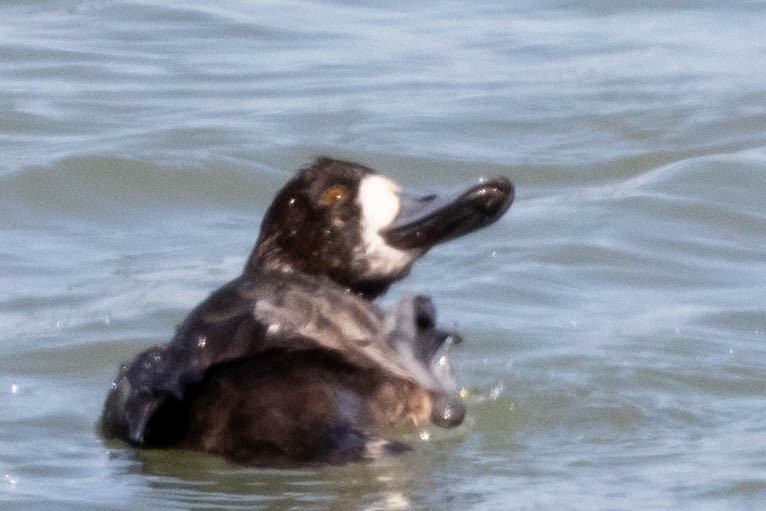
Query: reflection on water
{"points": [[193, 479]]}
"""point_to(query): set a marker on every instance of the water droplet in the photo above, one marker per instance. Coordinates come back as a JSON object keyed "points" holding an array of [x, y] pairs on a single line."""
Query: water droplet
{"points": [[425, 435], [395, 500], [10, 480], [201, 341], [14, 388], [495, 392]]}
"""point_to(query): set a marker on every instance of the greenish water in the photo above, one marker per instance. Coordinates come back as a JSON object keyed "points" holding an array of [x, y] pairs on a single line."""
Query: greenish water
{"points": [[615, 319]]}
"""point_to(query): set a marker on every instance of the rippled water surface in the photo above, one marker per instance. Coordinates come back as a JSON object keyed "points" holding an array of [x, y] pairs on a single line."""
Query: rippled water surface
{"points": [[615, 319]]}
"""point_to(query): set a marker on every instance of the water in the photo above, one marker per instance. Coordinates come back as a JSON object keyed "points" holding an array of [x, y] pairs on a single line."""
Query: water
{"points": [[615, 319]]}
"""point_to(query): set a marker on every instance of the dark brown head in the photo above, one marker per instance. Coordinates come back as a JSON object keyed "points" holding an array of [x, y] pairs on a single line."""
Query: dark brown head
{"points": [[342, 220]]}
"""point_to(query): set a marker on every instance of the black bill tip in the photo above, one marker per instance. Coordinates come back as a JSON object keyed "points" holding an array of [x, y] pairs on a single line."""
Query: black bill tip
{"points": [[431, 219]]}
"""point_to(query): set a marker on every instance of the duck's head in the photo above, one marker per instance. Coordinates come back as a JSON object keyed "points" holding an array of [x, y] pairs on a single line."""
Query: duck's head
{"points": [[342, 220]]}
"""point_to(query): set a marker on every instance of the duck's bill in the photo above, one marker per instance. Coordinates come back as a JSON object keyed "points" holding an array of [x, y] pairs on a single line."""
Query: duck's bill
{"points": [[431, 219]]}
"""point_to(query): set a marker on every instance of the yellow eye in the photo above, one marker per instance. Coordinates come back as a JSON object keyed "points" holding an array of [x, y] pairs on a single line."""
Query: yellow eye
{"points": [[333, 195]]}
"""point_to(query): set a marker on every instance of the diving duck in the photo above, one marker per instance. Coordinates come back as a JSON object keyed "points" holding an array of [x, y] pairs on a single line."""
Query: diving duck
{"points": [[293, 361]]}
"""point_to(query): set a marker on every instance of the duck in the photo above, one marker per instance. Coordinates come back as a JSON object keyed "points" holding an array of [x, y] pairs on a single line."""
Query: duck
{"points": [[294, 361]]}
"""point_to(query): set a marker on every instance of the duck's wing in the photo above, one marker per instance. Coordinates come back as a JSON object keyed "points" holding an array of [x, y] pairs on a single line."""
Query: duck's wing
{"points": [[252, 315], [244, 318], [403, 342], [421, 347], [222, 328], [328, 317]]}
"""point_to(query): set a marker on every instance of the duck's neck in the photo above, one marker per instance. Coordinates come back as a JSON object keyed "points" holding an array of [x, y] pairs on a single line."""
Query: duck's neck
{"points": [[274, 260]]}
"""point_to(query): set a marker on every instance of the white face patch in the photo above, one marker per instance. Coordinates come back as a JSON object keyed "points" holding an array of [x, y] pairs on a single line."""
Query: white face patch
{"points": [[380, 203]]}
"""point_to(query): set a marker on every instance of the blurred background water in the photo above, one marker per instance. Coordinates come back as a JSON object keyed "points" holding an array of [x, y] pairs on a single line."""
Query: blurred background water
{"points": [[615, 319]]}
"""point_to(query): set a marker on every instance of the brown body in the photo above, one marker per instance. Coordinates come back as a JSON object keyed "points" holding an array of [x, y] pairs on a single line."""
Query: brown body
{"points": [[299, 407], [292, 361]]}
